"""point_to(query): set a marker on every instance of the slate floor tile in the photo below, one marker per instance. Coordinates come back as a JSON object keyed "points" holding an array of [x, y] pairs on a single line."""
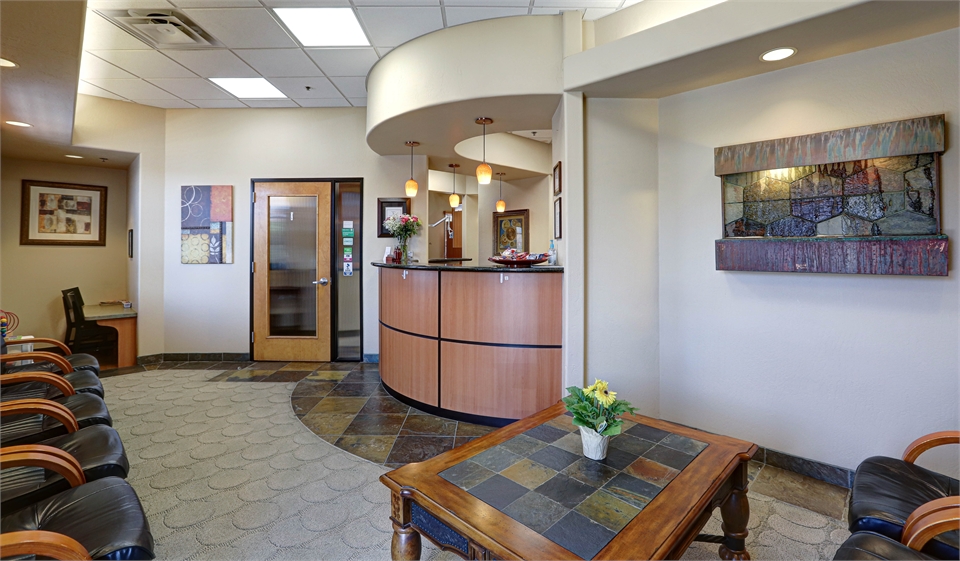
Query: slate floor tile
{"points": [[523, 445], [668, 457], [497, 458], [342, 366], [327, 376], [546, 433], [373, 448], [221, 377], [632, 490], [618, 459], [580, 535], [339, 405], [566, 491], [327, 424], [230, 365], [683, 444], [591, 472], [647, 433], [609, 511], [470, 429], [286, 376], [353, 390], [554, 458], [273, 366], [312, 388], [301, 366], [498, 491], [461, 440], [467, 474], [535, 511], [362, 377], [563, 423], [571, 443], [384, 405], [631, 444], [528, 473], [380, 425], [303, 405], [418, 448], [122, 371], [652, 472], [428, 425]]}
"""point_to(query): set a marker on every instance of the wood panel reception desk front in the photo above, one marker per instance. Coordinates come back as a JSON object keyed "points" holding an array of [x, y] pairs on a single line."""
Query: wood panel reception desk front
{"points": [[477, 343]]}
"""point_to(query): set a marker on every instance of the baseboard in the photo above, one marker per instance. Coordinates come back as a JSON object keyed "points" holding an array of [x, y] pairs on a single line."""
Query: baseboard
{"points": [[835, 475], [193, 357]]}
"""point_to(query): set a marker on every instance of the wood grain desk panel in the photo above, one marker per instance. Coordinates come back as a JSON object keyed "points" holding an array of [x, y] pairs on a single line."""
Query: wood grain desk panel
{"points": [[524, 309], [409, 304], [408, 364], [504, 382], [124, 320]]}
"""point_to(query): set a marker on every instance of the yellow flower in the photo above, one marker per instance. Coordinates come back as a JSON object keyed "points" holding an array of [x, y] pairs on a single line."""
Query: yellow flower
{"points": [[606, 397], [589, 390], [599, 386]]}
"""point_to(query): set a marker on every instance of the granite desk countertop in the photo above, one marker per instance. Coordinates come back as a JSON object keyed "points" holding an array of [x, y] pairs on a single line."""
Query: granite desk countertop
{"points": [[491, 268], [96, 312]]}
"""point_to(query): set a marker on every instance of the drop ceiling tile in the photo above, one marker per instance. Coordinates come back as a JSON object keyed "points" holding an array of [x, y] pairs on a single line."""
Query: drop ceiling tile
{"points": [[165, 103], [324, 102], [358, 101], [577, 4], [384, 50], [351, 87], [191, 88], [591, 14], [396, 3], [93, 67], [487, 3], [307, 3], [630, 2], [279, 62], [270, 103], [128, 4], [89, 89], [217, 3], [217, 103], [242, 28], [296, 88], [131, 89], [457, 16], [545, 11], [390, 27], [100, 34], [145, 63], [344, 62], [218, 63]]}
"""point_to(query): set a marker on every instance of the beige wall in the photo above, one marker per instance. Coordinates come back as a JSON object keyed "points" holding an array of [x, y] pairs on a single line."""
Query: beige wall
{"points": [[34, 275]]}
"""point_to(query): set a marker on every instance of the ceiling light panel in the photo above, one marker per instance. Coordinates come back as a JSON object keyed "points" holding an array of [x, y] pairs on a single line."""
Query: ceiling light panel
{"points": [[296, 88], [344, 62], [390, 27], [4, 63], [279, 62], [19, 124], [190, 88], [351, 87], [145, 63], [242, 28], [458, 16], [324, 27], [218, 63], [131, 89], [249, 88]]}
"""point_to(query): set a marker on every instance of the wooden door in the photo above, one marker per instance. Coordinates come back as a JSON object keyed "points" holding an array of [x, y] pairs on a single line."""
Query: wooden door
{"points": [[455, 243], [291, 271]]}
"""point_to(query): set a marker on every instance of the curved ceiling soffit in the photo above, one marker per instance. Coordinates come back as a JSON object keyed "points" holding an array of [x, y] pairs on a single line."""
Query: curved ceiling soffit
{"points": [[509, 151]]}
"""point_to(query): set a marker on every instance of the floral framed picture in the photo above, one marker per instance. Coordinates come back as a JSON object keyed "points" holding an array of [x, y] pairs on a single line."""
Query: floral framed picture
{"points": [[62, 214], [390, 207], [511, 230]]}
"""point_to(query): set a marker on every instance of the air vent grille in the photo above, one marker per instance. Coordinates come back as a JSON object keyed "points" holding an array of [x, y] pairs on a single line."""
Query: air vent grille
{"points": [[163, 29]]}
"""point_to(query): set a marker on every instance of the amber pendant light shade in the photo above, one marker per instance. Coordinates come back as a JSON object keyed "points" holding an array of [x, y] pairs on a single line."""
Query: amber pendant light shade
{"points": [[484, 173], [454, 197], [501, 204], [411, 186]]}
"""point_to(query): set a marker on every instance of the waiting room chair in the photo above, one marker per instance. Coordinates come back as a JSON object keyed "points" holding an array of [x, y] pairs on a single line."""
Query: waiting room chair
{"points": [[49, 361], [47, 385], [83, 335], [887, 491], [927, 522], [28, 421]]}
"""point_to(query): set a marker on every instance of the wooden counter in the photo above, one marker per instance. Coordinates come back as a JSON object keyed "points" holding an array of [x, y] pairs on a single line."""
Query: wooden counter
{"points": [[124, 320], [480, 343]]}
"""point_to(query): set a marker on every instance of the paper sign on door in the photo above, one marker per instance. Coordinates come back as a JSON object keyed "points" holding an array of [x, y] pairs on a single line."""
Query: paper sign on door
{"points": [[348, 269]]}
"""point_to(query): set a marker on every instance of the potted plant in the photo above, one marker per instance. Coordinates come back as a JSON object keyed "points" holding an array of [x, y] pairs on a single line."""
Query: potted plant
{"points": [[595, 410], [403, 227]]}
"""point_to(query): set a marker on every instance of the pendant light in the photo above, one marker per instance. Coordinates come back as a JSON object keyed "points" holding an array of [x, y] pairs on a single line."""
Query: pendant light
{"points": [[454, 197], [411, 186], [483, 170], [501, 204]]}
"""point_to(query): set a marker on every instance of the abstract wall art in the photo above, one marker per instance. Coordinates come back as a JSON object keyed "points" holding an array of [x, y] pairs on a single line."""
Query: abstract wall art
{"points": [[206, 224], [62, 214]]}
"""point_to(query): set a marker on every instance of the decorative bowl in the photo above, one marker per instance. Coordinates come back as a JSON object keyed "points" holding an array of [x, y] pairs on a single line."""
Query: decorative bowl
{"points": [[516, 263]]}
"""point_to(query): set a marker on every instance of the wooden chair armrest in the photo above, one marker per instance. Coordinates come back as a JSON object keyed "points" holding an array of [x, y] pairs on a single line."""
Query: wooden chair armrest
{"points": [[47, 457], [931, 526], [44, 340], [43, 407], [926, 509], [42, 543], [54, 380], [60, 361], [924, 443]]}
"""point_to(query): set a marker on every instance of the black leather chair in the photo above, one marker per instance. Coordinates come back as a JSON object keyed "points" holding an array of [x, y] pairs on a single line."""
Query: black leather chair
{"points": [[97, 450], [47, 385], [83, 335], [870, 546], [102, 519], [49, 361], [28, 421], [922, 526], [886, 491]]}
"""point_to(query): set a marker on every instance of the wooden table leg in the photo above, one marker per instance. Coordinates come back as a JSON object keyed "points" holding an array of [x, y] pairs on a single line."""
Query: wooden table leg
{"points": [[735, 512], [126, 339], [405, 545]]}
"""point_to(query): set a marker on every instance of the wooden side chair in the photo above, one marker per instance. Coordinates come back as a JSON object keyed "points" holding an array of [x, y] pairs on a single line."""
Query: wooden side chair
{"points": [[886, 492], [101, 519], [924, 524]]}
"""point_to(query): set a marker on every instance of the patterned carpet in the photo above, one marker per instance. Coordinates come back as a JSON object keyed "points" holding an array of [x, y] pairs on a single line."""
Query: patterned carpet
{"points": [[225, 470]]}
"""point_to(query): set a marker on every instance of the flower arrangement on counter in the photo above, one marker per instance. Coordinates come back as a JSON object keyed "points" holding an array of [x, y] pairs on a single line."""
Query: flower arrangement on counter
{"points": [[403, 227], [597, 408]]}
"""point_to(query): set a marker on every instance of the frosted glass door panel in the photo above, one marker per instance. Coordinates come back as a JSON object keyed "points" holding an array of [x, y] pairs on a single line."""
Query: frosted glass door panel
{"points": [[293, 266]]}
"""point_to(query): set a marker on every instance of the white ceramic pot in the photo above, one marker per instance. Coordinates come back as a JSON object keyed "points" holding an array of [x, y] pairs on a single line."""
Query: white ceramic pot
{"points": [[594, 444]]}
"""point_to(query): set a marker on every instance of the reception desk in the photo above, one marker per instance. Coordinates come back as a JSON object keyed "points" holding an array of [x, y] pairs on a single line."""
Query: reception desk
{"points": [[476, 343]]}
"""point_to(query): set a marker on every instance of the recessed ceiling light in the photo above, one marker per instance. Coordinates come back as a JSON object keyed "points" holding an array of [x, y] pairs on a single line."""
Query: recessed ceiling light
{"points": [[249, 88], [19, 124], [4, 63], [779, 53], [324, 27], [74, 156]]}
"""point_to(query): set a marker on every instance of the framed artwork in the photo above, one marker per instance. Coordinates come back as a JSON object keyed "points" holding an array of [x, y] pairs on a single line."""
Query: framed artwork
{"points": [[206, 224], [130, 243], [557, 219], [387, 208], [557, 179], [62, 214], [511, 230]]}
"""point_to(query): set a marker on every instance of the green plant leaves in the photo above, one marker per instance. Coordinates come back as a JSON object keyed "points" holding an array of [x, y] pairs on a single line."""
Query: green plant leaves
{"points": [[589, 412]]}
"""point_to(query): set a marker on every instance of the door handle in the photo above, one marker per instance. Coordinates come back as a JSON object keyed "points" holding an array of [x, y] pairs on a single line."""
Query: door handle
{"points": [[322, 282]]}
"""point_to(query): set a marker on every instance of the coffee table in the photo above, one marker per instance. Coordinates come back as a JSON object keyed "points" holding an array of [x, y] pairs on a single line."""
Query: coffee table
{"points": [[525, 491]]}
